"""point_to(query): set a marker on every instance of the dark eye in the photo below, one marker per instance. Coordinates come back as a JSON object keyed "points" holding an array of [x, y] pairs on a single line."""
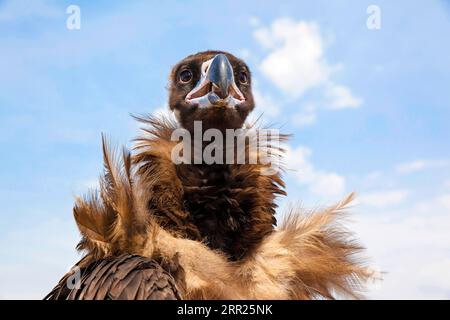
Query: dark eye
{"points": [[185, 76], [243, 77]]}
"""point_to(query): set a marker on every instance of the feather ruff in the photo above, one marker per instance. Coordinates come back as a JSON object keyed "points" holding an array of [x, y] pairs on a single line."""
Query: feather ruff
{"points": [[309, 256]]}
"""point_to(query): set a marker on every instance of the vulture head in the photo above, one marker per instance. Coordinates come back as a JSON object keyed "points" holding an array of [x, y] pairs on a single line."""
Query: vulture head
{"points": [[213, 87]]}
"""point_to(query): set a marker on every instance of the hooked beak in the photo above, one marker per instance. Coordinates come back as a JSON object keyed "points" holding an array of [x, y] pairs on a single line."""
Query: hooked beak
{"points": [[220, 73], [216, 86]]}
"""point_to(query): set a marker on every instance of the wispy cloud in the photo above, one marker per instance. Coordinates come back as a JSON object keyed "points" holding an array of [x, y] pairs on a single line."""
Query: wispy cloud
{"points": [[383, 199], [420, 165], [296, 63], [444, 200], [320, 182], [340, 97], [266, 103], [411, 245], [307, 116]]}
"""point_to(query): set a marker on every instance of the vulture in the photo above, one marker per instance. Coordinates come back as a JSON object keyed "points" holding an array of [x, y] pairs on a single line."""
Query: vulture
{"points": [[163, 229]]}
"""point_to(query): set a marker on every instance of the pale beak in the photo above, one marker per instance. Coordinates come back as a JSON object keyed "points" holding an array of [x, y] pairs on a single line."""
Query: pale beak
{"points": [[216, 86]]}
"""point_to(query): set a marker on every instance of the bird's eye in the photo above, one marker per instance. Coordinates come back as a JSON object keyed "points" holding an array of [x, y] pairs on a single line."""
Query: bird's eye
{"points": [[185, 76], [243, 77]]}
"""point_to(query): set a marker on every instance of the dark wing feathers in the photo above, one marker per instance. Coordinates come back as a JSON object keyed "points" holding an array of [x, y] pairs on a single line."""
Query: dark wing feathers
{"points": [[124, 277]]}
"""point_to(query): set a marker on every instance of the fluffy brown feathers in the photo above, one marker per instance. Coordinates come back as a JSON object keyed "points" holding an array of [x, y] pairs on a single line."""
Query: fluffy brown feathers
{"points": [[109, 219], [140, 209], [211, 226]]}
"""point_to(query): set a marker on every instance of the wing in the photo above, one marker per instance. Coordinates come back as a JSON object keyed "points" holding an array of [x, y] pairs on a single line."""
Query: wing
{"points": [[124, 277]]}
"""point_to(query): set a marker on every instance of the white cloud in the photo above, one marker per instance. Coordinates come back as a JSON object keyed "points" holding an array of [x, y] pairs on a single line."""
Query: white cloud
{"points": [[340, 97], [266, 103], [411, 246], [444, 200], [296, 61], [244, 54], [411, 166], [320, 182], [304, 119], [440, 268], [372, 177], [382, 199], [307, 116], [327, 184], [263, 36], [419, 165]]}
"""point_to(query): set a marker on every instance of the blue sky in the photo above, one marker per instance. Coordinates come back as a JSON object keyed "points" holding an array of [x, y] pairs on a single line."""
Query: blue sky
{"points": [[369, 111]]}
